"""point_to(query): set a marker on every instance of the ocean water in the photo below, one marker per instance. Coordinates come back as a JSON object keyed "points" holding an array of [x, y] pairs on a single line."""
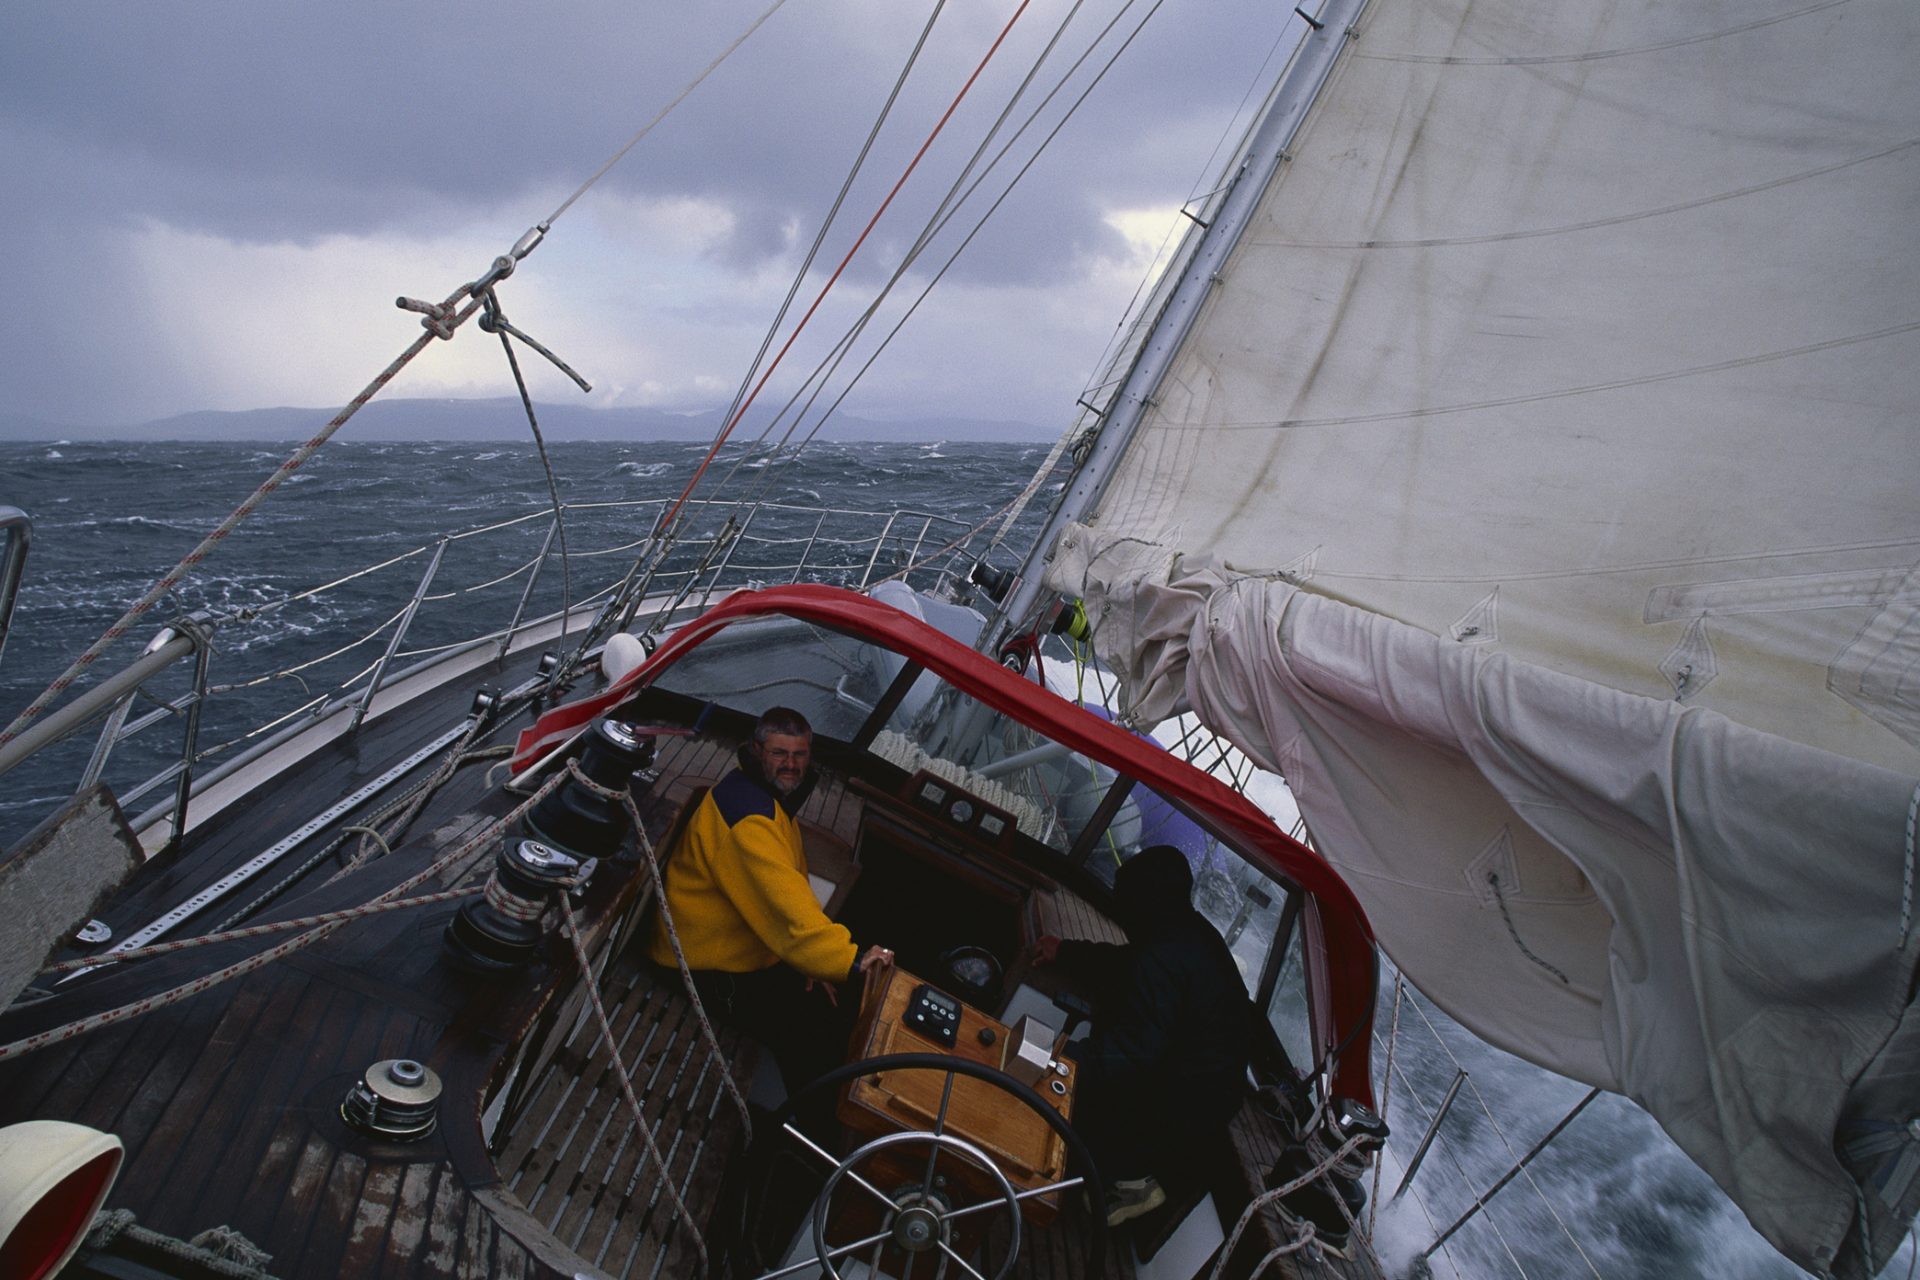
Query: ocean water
{"points": [[109, 519], [1611, 1197]]}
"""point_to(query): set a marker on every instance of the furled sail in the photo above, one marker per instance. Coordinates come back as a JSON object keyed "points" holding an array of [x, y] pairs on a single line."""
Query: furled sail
{"points": [[1538, 491]]}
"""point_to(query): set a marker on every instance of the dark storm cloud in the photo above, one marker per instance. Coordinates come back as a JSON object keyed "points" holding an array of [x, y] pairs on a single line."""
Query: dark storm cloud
{"points": [[275, 124]]}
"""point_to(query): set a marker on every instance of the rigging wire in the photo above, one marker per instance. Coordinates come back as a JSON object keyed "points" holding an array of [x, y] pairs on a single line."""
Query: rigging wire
{"points": [[1129, 318], [1486, 1110], [994, 208], [952, 107], [191, 560], [943, 213], [833, 212], [496, 320], [937, 219], [662, 113]]}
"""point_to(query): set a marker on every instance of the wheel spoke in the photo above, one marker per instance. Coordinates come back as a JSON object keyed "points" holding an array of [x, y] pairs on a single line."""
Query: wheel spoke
{"points": [[822, 1152], [939, 1127], [828, 1256], [964, 1264], [1051, 1187]]}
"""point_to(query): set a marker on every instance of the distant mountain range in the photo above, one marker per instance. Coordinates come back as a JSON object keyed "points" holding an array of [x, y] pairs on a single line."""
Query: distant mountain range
{"points": [[503, 419]]}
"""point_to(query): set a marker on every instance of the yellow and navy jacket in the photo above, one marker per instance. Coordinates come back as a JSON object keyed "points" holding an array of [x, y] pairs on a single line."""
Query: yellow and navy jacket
{"points": [[738, 890]]}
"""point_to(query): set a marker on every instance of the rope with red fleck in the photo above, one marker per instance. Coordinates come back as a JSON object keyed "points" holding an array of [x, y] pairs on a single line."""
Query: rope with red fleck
{"points": [[652, 862], [666, 521], [110, 1017], [440, 325], [572, 930], [257, 930]]}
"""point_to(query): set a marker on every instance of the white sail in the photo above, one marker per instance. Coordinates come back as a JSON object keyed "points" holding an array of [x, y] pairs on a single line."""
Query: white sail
{"points": [[1546, 465]]}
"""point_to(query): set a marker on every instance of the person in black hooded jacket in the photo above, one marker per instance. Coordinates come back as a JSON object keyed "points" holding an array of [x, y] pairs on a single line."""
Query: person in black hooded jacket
{"points": [[1165, 1064]]}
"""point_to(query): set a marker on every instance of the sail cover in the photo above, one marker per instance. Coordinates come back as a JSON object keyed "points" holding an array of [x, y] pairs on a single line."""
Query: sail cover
{"points": [[1539, 493]]}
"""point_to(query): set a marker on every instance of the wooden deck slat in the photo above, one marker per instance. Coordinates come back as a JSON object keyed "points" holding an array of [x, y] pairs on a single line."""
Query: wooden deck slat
{"points": [[358, 1031], [407, 1229], [476, 1245], [251, 1068], [325, 1242], [588, 1096], [284, 1140], [100, 1077], [372, 1214], [175, 1147], [446, 1226]]}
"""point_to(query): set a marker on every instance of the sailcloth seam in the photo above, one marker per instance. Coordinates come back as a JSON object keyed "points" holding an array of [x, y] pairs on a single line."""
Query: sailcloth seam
{"points": [[1599, 54], [1906, 874], [1562, 393], [1534, 233]]}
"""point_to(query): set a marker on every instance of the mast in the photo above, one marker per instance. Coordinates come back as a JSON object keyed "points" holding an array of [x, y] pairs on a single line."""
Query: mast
{"points": [[1259, 162]]}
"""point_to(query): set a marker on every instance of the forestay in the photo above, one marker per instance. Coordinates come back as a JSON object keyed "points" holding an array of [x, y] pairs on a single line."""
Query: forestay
{"points": [[1545, 461]]}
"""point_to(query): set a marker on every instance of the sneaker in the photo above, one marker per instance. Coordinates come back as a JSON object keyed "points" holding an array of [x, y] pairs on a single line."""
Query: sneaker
{"points": [[1131, 1197]]}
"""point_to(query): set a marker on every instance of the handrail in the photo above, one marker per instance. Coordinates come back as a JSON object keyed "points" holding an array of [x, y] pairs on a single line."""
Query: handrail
{"points": [[399, 634], [843, 544], [17, 529], [95, 700]]}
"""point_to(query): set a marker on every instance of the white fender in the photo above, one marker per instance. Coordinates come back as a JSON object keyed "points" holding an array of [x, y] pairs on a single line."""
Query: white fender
{"points": [[54, 1177]]}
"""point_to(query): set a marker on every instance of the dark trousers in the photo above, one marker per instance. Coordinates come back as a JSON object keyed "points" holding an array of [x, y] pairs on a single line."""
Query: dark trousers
{"points": [[1135, 1131], [806, 1034]]}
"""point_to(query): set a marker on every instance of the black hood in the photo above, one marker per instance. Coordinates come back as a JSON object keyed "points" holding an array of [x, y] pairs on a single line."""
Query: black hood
{"points": [[791, 803], [1151, 890]]}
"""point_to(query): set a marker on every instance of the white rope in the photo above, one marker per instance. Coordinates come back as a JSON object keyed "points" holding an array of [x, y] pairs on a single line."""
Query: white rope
{"points": [[1266, 1198], [651, 861], [187, 990], [612, 1042]]}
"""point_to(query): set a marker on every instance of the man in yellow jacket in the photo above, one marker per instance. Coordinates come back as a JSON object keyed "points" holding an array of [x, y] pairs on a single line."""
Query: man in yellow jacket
{"points": [[764, 956]]}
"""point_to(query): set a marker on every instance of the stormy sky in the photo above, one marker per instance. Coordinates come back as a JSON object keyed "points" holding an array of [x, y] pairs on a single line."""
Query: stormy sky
{"points": [[214, 205]]}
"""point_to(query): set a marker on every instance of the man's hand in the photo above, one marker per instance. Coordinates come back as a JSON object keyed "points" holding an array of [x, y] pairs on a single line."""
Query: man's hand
{"points": [[1045, 949], [874, 959], [828, 989]]}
